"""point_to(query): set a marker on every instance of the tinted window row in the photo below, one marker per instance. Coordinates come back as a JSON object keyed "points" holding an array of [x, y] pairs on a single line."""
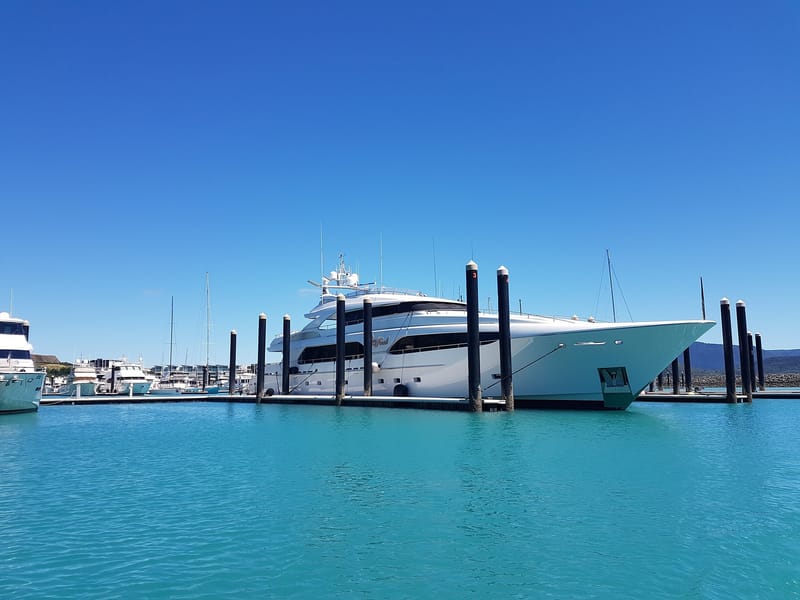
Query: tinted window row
{"points": [[357, 316], [12, 328], [411, 343], [18, 354], [437, 341], [315, 354]]}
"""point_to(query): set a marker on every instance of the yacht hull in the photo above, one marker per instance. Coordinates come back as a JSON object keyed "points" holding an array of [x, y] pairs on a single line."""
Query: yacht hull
{"points": [[86, 388], [598, 367], [20, 391], [140, 388]]}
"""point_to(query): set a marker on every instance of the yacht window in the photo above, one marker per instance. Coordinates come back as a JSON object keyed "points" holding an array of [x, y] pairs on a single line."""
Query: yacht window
{"points": [[438, 341], [352, 317], [315, 354], [18, 354], [12, 328]]}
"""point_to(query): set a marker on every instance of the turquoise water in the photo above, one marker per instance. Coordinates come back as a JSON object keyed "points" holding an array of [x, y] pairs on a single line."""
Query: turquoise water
{"points": [[203, 500]]}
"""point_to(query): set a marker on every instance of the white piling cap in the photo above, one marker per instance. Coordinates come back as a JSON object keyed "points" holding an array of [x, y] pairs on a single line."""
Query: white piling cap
{"points": [[286, 317], [233, 331], [740, 303], [262, 316], [724, 301], [340, 296], [472, 266], [501, 270]]}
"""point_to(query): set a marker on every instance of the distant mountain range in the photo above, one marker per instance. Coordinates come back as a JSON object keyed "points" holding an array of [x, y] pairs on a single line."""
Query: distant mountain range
{"points": [[708, 357]]}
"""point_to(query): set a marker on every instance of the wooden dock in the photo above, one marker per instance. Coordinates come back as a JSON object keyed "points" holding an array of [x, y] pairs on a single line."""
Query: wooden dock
{"points": [[453, 404]]}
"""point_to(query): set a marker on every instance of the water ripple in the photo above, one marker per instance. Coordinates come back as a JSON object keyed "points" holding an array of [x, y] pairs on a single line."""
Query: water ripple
{"points": [[240, 501]]}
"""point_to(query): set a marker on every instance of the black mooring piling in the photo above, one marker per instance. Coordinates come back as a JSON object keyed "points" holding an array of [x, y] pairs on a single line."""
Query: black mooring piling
{"points": [[473, 339], [114, 370], [687, 368], [760, 360], [751, 356], [205, 376], [262, 352], [232, 365], [287, 348], [727, 350], [660, 381], [676, 377], [744, 358], [504, 327], [340, 327], [367, 347]]}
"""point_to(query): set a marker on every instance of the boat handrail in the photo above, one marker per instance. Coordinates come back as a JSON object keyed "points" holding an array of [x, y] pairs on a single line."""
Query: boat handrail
{"points": [[554, 318], [350, 292]]}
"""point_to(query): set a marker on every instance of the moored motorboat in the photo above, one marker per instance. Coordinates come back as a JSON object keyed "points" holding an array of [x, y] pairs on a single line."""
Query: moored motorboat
{"points": [[174, 382], [420, 349], [82, 381], [124, 378], [20, 383]]}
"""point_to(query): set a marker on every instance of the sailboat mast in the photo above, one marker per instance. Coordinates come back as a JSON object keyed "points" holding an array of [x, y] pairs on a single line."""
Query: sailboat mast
{"points": [[208, 321], [611, 283], [702, 299], [171, 326]]}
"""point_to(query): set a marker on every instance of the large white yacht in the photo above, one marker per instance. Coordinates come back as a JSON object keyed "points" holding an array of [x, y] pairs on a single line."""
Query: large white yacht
{"points": [[420, 349], [20, 383]]}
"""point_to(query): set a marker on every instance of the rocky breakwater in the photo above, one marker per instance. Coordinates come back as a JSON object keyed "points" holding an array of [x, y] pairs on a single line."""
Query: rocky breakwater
{"points": [[717, 379]]}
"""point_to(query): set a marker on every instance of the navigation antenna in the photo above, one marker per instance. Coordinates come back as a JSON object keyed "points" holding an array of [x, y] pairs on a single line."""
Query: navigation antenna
{"points": [[435, 278], [321, 257], [611, 283]]}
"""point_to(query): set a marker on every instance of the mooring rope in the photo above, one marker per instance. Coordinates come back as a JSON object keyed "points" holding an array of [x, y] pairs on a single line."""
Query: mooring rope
{"points": [[301, 382], [559, 347]]}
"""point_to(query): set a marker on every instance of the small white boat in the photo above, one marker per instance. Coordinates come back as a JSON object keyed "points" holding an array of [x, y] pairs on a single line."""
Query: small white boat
{"points": [[420, 349], [174, 382], [125, 379], [20, 383], [82, 381]]}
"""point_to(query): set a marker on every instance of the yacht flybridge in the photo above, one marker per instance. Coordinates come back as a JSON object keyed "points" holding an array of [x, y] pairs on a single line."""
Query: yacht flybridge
{"points": [[420, 349]]}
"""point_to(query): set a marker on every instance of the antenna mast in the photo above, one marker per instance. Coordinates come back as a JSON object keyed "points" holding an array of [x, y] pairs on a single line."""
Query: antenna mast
{"points": [[321, 257], [611, 283], [435, 278]]}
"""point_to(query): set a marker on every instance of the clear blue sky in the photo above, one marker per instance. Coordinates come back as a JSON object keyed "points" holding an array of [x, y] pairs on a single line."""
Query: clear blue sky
{"points": [[143, 144]]}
